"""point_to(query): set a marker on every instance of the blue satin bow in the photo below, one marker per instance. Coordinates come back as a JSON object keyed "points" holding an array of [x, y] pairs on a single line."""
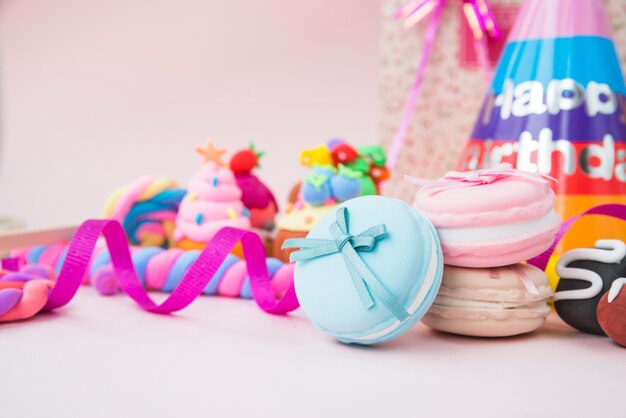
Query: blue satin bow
{"points": [[365, 282]]}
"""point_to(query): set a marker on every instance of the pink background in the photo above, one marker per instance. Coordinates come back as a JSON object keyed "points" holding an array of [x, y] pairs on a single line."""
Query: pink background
{"points": [[97, 93]]}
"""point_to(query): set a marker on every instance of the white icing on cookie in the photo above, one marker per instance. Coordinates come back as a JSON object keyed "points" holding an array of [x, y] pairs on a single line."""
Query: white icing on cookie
{"points": [[606, 251], [616, 287]]}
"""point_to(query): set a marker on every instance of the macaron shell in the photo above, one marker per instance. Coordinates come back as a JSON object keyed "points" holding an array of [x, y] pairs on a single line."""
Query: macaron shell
{"points": [[479, 285], [400, 260], [472, 302], [505, 201], [482, 323], [426, 294]]}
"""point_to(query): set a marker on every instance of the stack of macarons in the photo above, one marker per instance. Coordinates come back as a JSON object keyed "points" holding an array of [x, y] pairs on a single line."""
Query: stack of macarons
{"points": [[489, 222]]}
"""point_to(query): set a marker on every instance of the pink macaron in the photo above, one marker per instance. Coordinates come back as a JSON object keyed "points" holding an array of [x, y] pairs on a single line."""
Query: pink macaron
{"points": [[490, 218]]}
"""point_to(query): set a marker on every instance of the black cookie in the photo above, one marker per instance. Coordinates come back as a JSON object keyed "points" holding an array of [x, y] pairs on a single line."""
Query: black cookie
{"points": [[579, 309]]}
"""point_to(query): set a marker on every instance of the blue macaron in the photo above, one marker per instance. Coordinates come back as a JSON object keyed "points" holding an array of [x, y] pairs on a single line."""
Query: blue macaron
{"points": [[369, 270]]}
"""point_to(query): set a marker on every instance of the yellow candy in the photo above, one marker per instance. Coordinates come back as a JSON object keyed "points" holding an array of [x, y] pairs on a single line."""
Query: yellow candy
{"points": [[553, 278], [191, 197], [318, 155]]}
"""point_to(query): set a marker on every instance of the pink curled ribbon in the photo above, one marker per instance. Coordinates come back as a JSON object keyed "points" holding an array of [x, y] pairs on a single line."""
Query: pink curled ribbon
{"points": [[613, 210], [481, 20], [192, 284], [458, 179]]}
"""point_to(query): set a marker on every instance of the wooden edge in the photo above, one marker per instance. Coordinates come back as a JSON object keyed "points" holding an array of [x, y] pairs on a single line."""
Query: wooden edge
{"points": [[21, 239]]}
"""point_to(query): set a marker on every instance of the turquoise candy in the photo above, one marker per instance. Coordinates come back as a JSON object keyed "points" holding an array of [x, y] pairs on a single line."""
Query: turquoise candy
{"points": [[407, 260]]}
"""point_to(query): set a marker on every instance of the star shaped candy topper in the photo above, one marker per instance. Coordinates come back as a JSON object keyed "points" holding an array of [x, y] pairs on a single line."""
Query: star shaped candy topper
{"points": [[211, 153]]}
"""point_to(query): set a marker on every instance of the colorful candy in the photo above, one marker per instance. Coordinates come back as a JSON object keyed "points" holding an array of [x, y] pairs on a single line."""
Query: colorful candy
{"points": [[146, 209], [316, 156], [352, 172], [339, 172], [24, 293], [213, 202], [162, 269], [586, 274], [255, 195], [612, 312]]}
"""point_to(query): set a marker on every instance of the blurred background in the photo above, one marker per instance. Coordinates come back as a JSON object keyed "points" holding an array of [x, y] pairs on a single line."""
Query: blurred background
{"points": [[98, 93]]}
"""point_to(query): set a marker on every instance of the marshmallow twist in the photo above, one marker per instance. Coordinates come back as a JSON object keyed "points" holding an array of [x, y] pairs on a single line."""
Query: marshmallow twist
{"points": [[24, 293], [162, 269]]}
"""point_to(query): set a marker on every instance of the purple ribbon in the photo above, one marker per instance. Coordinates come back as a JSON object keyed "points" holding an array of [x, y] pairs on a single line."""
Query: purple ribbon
{"points": [[481, 19], [613, 210]]}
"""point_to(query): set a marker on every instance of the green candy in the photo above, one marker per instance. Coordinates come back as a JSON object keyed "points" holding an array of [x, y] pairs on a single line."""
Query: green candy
{"points": [[349, 172], [374, 153], [367, 186], [317, 180], [360, 165]]}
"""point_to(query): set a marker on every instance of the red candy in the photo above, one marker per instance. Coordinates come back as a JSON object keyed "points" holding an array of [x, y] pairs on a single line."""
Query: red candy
{"points": [[343, 154], [379, 174], [612, 317], [244, 161]]}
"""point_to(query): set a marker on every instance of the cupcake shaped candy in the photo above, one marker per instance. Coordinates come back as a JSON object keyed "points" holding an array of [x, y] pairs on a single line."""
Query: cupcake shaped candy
{"points": [[147, 210], [213, 201], [338, 172], [256, 196]]}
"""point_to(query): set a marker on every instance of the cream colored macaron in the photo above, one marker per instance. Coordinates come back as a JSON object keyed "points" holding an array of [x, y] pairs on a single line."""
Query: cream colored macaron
{"points": [[495, 302]]}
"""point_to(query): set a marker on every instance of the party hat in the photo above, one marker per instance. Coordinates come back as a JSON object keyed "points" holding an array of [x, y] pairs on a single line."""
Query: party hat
{"points": [[557, 106]]}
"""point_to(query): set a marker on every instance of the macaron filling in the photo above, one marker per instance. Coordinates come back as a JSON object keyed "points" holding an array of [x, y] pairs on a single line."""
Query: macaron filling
{"points": [[499, 232], [496, 310]]}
